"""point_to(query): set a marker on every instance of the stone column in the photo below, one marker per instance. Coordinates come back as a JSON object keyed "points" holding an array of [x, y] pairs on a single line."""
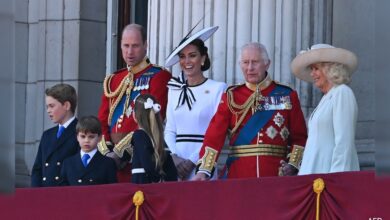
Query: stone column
{"points": [[284, 27], [7, 95]]}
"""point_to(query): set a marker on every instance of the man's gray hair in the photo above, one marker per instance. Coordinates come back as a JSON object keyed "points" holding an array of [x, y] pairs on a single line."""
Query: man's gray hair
{"points": [[258, 46]]}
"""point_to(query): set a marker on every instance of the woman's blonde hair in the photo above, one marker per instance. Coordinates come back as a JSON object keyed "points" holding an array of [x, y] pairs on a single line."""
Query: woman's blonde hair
{"points": [[337, 73], [150, 121]]}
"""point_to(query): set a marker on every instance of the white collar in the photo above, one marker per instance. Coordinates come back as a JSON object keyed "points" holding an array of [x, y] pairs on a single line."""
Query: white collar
{"points": [[91, 153], [67, 123]]}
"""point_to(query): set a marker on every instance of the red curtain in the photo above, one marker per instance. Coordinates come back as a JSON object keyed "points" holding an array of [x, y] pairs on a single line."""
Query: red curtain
{"points": [[351, 195]]}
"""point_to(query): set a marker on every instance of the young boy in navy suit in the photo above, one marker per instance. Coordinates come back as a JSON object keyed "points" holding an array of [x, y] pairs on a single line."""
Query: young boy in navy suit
{"points": [[88, 167], [59, 142]]}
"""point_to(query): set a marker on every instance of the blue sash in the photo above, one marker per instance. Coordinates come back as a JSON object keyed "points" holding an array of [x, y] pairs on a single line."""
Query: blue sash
{"points": [[119, 108], [142, 83], [259, 119], [253, 125]]}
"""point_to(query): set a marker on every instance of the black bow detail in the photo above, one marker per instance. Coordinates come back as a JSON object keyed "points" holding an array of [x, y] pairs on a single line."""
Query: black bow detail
{"points": [[186, 94]]}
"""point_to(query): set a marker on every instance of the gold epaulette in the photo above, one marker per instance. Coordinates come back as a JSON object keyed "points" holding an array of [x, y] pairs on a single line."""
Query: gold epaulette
{"points": [[208, 161], [296, 156], [232, 87], [124, 145], [106, 86], [102, 146]]}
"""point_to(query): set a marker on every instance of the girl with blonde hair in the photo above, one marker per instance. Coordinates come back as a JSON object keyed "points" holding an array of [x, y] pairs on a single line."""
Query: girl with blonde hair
{"points": [[151, 160]]}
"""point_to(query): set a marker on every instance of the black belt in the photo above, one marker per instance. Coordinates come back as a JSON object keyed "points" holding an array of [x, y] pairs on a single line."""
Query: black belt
{"points": [[189, 138]]}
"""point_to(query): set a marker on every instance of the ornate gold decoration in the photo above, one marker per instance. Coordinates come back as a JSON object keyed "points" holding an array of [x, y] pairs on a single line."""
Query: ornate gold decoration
{"points": [[208, 159], [124, 144], [138, 199], [296, 156], [242, 109], [318, 187], [102, 146], [252, 102], [258, 150], [125, 86]]}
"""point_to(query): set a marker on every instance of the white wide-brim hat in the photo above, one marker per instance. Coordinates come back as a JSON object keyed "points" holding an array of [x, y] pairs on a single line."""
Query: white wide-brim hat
{"points": [[204, 34], [320, 53]]}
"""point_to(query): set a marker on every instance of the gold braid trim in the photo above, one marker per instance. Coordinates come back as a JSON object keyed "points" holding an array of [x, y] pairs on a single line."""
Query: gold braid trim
{"points": [[207, 162], [106, 87], [125, 86], [251, 102], [102, 146], [258, 150], [124, 144], [243, 109], [296, 156]]}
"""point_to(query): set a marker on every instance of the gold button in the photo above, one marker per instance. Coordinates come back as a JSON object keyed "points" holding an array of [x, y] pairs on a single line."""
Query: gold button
{"points": [[44, 178], [119, 126], [46, 164], [58, 163], [212, 154], [260, 141], [261, 134], [56, 178], [79, 181]]}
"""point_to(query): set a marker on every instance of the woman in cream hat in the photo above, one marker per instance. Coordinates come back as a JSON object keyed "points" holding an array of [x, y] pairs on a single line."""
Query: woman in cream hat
{"points": [[192, 101], [330, 146]]}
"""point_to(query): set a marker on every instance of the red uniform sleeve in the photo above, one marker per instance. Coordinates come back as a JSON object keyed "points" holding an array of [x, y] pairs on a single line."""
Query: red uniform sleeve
{"points": [[217, 130], [103, 117]]}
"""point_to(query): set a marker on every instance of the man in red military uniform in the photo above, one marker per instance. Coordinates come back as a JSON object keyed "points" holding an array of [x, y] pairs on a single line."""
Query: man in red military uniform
{"points": [[121, 88], [266, 123]]}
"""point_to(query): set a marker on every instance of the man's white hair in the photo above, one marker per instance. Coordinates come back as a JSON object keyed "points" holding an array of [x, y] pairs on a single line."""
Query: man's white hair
{"points": [[258, 46]]}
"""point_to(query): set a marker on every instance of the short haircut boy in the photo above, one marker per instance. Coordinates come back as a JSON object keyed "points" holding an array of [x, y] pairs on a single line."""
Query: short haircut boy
{"points": [[63, 93], [89, 124], [49, 160]]}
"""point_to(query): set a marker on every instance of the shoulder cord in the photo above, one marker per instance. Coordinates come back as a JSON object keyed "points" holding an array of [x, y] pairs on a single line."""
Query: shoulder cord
{"points": [[252, 101]]}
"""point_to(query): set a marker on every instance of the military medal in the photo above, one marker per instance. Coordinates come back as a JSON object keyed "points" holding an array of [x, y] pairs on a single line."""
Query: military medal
{"points": [[271, 132], [279, 120], [284, 133], [147, 83]]}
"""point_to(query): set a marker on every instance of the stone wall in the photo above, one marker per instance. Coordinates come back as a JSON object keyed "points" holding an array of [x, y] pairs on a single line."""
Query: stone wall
{"points": [[57, 41]]}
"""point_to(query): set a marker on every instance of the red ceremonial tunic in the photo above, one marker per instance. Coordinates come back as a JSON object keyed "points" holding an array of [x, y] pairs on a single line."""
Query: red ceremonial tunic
{"points": [[285, 128], [147, 79]]}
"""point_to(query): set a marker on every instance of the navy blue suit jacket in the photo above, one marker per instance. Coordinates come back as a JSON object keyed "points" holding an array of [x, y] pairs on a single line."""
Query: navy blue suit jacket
{"points": [[51, 153], [100, 170], [143, 152]]}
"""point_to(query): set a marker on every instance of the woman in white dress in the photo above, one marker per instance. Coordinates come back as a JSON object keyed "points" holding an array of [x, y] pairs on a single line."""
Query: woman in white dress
{"points": [[192, 101], [330, 146]]}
